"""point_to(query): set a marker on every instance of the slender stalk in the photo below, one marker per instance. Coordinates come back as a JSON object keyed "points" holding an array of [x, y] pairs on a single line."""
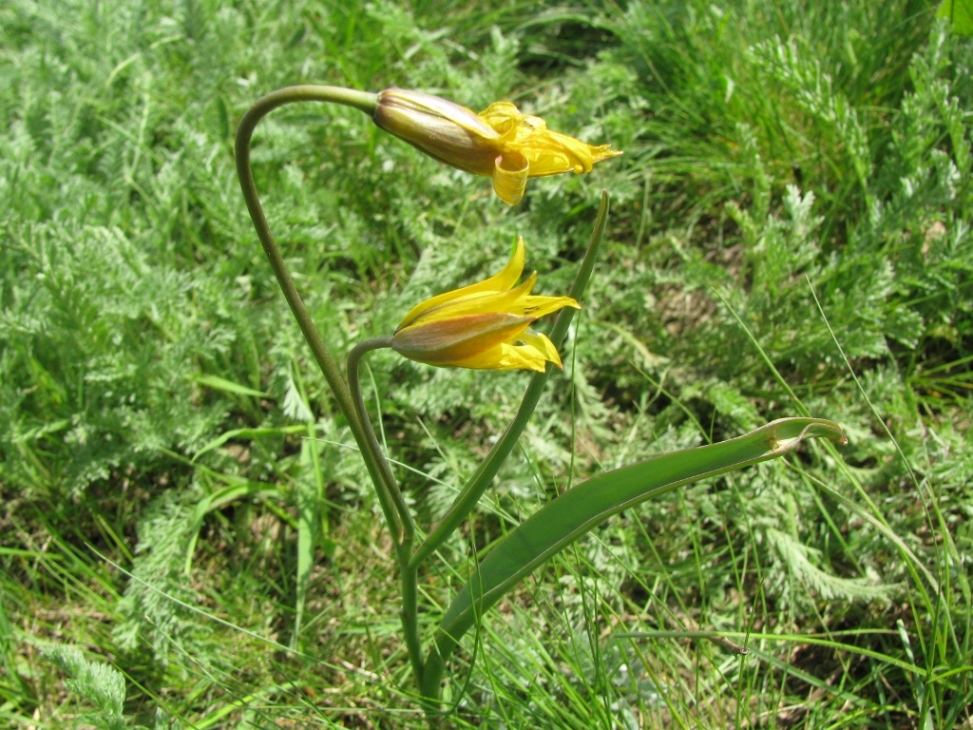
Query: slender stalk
{"points": [[391, 488], [409, 573], [409, 616], [374, 459], [478, 483]]}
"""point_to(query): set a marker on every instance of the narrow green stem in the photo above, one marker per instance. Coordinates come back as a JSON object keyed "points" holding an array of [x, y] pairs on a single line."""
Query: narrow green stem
{"points": [[347, 393], [366, 102], [478, 483], [390, 489], [410, 621], [248, 123], [391, 497]]}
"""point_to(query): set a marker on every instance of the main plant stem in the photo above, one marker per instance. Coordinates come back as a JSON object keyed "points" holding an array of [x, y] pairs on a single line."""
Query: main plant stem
{"points": [[396, 512]]}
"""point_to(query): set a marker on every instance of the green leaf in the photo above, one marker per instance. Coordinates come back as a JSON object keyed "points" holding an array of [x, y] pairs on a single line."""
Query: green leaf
{"points": [[247, 433], [562, 521], [959, 13], [237, 489], [228, 386], [100, 684]]}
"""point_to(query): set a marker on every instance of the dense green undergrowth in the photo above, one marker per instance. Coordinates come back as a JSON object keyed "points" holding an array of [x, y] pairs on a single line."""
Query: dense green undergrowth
{"points": [[790, 233]]}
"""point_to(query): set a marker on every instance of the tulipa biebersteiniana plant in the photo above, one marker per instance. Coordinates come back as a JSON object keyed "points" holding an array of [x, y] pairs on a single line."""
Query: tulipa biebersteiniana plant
{"points": [[486, 325]]}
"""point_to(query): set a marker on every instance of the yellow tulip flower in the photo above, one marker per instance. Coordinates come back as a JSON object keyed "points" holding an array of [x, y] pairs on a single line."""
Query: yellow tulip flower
{"points": [[500, 143], [484, 325]]}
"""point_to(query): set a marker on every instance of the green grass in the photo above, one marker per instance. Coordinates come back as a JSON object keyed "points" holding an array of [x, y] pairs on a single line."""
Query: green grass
{"points": [[790, 232]]}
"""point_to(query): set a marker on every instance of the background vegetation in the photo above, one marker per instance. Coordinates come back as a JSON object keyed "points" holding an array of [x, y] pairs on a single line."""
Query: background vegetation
{"points": [[187, 540]]}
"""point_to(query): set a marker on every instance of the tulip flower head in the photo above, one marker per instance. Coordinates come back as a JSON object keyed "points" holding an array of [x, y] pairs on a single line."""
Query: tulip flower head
{"points": [[500, 143], [483, 326]]}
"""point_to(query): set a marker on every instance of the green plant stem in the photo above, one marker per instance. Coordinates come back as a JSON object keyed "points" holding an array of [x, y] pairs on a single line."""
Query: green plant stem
{"points": [[478, 483], [374, 459], [392, 501], [409, 616], [389, 490]]}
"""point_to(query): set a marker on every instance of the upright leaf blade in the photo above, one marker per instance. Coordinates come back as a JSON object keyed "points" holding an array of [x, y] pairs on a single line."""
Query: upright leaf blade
{"points": [[558, 523]]}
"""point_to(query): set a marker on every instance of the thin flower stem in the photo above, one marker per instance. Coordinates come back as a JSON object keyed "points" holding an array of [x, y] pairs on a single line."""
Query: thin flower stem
{"points": [[358, 401], [409, 573], [478, 483], [374, 459], [410, 621]]}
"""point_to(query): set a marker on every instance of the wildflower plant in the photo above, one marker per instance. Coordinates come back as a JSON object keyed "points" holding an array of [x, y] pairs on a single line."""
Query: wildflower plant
{"points": [[487, 325]]}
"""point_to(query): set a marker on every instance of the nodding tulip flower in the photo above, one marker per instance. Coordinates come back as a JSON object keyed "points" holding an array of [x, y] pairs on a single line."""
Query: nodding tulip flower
{"points": [[484, 325], [500, 142]]}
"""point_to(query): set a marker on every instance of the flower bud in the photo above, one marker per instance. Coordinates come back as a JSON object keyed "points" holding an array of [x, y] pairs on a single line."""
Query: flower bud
{"points": [[484, 325], [500, 143]]}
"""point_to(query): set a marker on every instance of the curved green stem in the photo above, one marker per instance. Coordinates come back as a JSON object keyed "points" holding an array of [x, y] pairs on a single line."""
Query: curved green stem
{"points": [[366, 102], [478, 483], [390, 489], [392, 502]]}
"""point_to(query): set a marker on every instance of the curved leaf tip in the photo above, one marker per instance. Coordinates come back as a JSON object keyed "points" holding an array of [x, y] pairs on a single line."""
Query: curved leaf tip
{"points": [[786, 434]]}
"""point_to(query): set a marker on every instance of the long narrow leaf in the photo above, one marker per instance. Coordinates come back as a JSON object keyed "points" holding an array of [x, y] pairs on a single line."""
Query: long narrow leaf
{"points": [[247, 433], [215, 501], [309, 494], [560, 522]]}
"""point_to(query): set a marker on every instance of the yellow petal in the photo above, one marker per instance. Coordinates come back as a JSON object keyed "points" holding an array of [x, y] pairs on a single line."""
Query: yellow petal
{"points": [[541, 306], [498, 282], [517, 301], [516, 357], [503, 357], [540, 344], [553, 154], [528, 351], [510, 176], [558, 154], [487, 302], [502, 116]]}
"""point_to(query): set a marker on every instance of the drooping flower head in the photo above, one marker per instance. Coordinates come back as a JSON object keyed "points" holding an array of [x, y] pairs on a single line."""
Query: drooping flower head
{"points": [[500, 143], [484, 326]]}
